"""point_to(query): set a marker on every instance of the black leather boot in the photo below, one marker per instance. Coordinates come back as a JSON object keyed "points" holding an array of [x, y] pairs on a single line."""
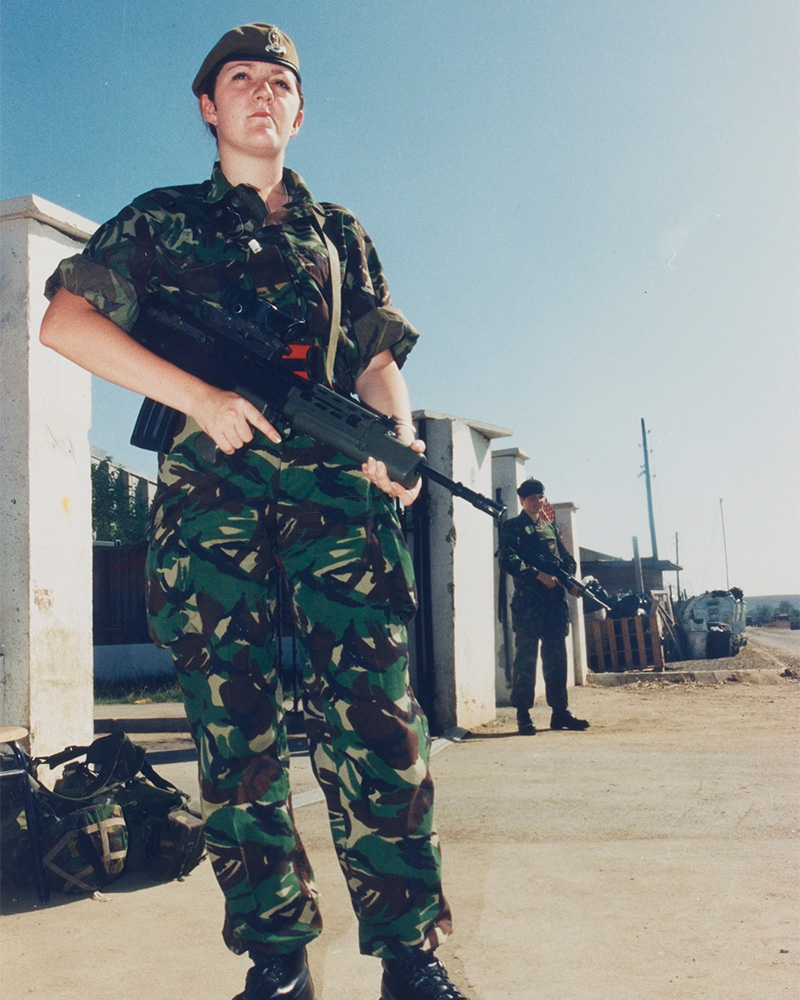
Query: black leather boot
{"points": [[525, 726], [419, 977], [279, 977], [566, 720]]}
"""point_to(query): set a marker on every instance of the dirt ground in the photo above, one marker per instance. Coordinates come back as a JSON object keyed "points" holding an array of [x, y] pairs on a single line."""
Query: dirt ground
{"points": [[654, 856], [770, 646], [658, 858]]}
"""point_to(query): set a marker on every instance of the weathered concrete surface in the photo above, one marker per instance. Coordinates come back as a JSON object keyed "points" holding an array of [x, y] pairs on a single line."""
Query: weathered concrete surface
{"points": [[45, 491], [655, 855]]}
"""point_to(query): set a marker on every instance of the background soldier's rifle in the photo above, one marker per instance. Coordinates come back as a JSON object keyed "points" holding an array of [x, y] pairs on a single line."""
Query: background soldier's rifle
{"points": [[238, 349], [541, 563]]}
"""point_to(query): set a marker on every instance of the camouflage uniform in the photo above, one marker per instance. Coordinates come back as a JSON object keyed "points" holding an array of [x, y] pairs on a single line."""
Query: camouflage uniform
{"points": [[221, 538], [539, 614]]}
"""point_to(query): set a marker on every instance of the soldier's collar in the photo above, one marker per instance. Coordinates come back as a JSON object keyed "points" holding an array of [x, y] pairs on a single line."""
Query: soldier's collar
{"points": [[221, 188], [242, 200]]}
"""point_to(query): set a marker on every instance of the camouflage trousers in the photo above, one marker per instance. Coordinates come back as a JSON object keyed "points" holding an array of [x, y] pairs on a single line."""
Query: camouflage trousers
{"points": [[221, 539], [536, 626]]}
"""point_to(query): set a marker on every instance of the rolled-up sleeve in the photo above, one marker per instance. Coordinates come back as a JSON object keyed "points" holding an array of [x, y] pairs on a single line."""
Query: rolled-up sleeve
{"points": [[111, 272], [375, 324], [384, 328]]}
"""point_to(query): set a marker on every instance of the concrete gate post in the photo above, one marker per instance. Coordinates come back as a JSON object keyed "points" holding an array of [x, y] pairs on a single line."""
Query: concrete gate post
{"points": [[566, 523], [508, 471], [462, 541], [45, 492]]}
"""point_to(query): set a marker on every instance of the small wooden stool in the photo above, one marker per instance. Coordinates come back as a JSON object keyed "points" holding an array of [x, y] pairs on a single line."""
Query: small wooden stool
{"points": [[11, 735]]}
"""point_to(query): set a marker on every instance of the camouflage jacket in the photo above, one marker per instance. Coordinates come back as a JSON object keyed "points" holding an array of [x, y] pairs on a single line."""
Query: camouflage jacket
{"points": [[191, 242], [548, 539]]}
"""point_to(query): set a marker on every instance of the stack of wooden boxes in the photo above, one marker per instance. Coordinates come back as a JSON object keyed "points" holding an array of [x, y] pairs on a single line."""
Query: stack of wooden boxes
{"points": [[626, 643]]}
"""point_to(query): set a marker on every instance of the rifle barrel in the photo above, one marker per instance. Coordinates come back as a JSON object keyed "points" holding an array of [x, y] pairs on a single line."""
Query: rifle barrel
{"points": [[484, 504]]}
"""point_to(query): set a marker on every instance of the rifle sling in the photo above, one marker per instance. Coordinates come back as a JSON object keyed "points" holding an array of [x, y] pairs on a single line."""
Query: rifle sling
{"points": [[336, 296]]}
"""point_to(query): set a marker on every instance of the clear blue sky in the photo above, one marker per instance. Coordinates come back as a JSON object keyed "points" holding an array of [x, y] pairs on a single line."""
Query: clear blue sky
{"points": [[589, 210]]}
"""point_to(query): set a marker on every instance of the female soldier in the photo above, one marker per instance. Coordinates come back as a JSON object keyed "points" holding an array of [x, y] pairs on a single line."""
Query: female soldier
{"points": [[277, 504]]}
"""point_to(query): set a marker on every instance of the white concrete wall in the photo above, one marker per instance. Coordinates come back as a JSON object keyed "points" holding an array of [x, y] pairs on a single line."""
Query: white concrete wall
{"points": [[462, 556], [508, 471], [566, 522], [45, 492]]}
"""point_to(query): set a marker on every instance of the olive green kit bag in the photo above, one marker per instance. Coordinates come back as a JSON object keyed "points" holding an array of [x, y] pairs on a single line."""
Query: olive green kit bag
{"points": [[111, 813]]}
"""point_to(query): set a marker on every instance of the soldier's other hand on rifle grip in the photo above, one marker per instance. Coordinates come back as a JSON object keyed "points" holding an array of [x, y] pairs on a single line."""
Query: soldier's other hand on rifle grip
{"points": [[376, 472]]}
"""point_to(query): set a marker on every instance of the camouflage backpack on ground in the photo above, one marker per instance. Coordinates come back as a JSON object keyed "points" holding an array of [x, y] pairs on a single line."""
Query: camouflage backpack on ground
{"points": [[112, 813], [83, 850], [86, 849]]}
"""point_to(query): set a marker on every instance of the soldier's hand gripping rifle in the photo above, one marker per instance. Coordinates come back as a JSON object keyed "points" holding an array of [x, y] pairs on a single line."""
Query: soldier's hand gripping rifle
{"points": [[238, 349], [540, 563]]}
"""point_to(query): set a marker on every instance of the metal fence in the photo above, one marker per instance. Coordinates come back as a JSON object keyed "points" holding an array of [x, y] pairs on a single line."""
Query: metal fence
{"points": [[119, 615]]}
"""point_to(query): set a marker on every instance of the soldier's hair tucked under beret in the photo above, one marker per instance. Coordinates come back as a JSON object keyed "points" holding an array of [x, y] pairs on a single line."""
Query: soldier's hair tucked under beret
{"points": [[251, 42], [529, 488]]}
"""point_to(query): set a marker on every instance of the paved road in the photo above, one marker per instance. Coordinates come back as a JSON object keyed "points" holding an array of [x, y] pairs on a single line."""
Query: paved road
{"points": [[782, 640]]}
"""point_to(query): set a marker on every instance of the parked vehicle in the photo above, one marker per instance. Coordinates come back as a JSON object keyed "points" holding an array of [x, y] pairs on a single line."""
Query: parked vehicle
{"points": [[713, 624]]}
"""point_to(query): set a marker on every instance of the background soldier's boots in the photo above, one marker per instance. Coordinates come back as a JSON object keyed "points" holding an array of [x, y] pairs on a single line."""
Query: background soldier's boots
{"points": [[420, 977], [525, 726], [279, 977], [566, 720]]}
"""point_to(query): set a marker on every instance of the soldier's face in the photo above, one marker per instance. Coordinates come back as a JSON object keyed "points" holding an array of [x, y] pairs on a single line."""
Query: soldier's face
{"points": [[532, 505], [255, 108]]}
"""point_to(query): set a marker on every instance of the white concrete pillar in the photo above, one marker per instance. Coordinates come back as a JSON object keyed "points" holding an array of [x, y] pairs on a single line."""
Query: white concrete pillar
{"points": [[566, 523], [508, 471], [462, 544], [45, 492]]}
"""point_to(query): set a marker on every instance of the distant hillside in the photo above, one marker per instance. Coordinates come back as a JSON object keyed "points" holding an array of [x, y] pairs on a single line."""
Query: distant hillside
{"points": [[771, 600]]}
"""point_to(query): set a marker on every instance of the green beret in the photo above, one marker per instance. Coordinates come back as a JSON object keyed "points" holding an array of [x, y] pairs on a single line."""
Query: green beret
{"points": [[252, 42], [531, 487]]}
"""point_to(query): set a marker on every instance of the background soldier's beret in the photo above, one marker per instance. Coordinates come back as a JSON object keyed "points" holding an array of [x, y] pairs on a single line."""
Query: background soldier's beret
{"points": [[529, 487], [255, 42]]}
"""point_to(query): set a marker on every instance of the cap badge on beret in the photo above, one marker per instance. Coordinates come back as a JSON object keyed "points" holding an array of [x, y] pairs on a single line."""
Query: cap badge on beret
{"points": [[274, 42]]}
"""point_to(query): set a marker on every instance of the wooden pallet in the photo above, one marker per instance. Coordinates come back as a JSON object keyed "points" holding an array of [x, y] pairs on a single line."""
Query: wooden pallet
{"points": [[626, 643]]}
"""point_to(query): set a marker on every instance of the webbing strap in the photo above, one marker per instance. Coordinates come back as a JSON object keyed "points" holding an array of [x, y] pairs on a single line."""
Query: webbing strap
{"points": [[336, 296]]}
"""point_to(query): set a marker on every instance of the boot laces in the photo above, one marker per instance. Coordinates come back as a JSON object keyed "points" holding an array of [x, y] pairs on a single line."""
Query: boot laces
{"points": [[264, 974], [432, 977]]}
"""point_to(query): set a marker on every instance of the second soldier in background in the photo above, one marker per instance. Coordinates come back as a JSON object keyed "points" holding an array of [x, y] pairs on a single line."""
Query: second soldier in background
{"points": [[539, 612]]}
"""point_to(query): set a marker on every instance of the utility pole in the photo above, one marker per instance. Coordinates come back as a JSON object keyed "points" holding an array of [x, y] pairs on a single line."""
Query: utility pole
{"points": [[649, 492], [724, 545], [637, 566], [677, 563]]}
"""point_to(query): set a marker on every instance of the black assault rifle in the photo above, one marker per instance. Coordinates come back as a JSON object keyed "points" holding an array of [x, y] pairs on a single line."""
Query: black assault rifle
{"points": [[541, 563], [237, 348]]}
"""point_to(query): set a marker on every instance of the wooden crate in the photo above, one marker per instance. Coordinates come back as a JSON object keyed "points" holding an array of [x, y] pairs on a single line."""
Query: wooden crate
{"points": [[626, 643]]}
